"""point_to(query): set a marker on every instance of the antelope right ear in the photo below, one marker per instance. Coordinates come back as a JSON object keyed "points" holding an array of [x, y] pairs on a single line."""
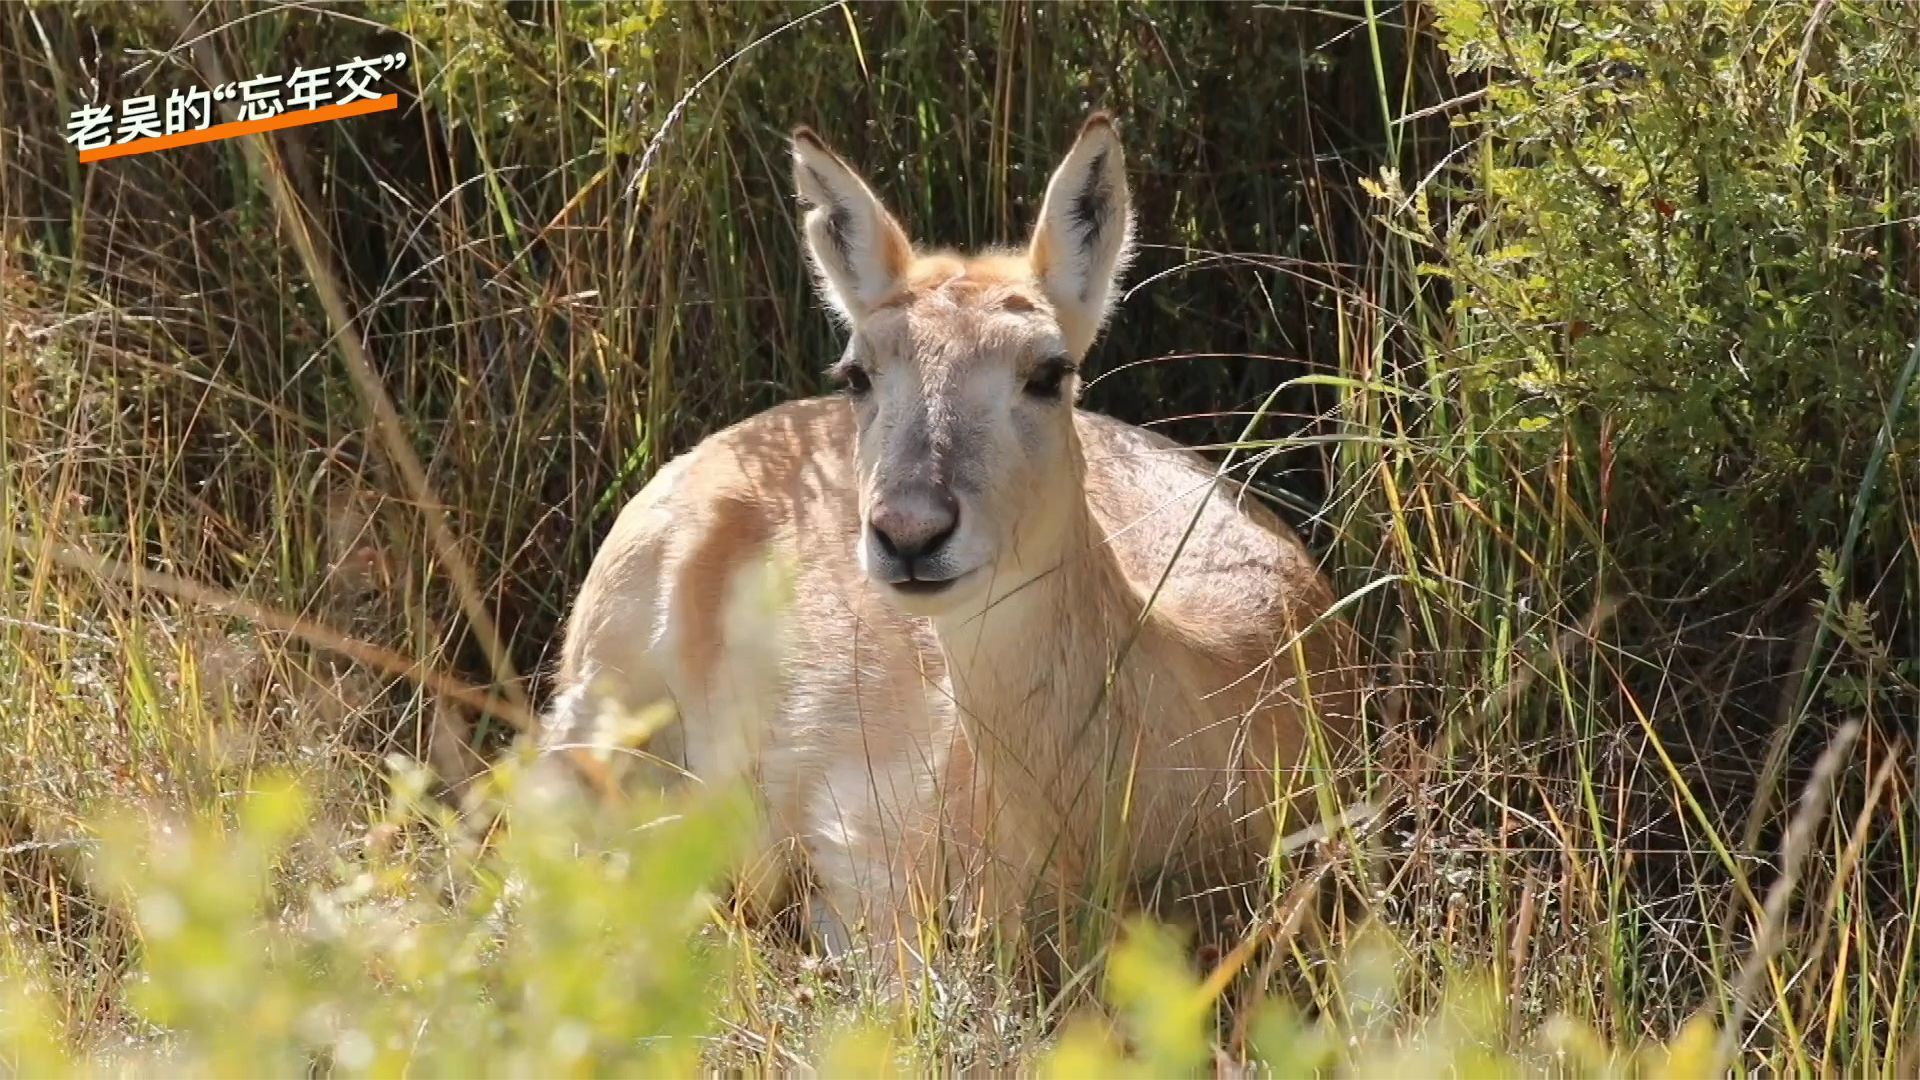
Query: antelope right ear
{"points": [[860, 253]]}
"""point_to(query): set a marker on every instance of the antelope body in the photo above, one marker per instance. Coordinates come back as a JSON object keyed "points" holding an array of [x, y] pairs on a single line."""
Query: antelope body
{"points": [[1021, 645]]}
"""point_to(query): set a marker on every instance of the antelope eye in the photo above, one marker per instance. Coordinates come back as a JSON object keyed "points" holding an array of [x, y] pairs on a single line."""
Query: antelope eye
{"points": [[854, 380], [1047, 379]]}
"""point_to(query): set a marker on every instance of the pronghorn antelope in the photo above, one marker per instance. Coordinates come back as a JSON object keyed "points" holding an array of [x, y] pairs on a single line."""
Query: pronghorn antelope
{"points": [[1022, 645]]}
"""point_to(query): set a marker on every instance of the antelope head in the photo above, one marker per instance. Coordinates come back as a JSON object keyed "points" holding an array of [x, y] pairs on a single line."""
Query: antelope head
{"points": [[962, 372]]}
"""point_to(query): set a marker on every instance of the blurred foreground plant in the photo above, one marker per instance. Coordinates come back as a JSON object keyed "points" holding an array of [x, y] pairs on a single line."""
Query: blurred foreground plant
{"points": [[537, 937], [1167, 1015]]}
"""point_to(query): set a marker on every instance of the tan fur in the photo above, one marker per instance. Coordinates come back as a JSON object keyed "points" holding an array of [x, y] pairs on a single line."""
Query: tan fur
{"points": [[1038, 726]]}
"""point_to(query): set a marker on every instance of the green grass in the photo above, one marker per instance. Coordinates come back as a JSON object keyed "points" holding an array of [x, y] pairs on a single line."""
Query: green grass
{"points": [[238, 545]]}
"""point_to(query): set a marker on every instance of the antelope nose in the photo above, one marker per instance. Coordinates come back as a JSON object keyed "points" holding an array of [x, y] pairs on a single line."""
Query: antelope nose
{"points": [[914, 526]]}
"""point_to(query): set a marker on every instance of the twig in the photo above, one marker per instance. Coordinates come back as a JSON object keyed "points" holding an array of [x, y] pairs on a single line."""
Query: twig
{"points": [[659, 140], [313, 633]]}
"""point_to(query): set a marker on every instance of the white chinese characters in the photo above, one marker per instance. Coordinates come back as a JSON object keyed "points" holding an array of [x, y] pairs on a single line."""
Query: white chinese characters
{"points": [[263, 97]]}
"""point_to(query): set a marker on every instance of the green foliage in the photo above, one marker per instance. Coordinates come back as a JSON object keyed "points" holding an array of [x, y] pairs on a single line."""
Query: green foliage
{"points": [[1691, 236], [1166, 1014], [544, 941]]}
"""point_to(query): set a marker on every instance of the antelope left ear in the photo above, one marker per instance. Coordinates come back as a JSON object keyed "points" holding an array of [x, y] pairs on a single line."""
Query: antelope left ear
{"points": [[1085, 233]]}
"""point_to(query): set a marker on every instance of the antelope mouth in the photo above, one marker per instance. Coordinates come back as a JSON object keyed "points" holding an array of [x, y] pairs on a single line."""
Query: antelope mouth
{"points": [[916, 586]]}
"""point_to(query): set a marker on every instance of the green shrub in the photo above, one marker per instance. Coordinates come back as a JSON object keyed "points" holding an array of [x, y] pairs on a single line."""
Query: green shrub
{"points": [[1690, 235], [530, 938]]}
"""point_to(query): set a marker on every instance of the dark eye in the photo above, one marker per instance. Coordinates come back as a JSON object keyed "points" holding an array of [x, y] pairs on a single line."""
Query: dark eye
{"points": [[1046, 380], [853, 379]]}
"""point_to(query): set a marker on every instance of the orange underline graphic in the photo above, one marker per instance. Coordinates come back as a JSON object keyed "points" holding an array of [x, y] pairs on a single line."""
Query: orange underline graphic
{"points": [[243, 127]]}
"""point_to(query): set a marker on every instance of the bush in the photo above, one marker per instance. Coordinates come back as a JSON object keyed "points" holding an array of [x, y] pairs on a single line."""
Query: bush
{"points": [[547, 941], [1692, 239]]}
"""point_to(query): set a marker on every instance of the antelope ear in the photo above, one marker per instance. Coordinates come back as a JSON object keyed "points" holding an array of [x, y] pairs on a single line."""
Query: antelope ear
{"points": [[860, 254], [1085, 233]]}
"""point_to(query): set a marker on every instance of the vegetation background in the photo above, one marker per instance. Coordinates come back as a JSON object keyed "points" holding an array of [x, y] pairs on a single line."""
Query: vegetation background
{"points": [[1578, 338]]}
